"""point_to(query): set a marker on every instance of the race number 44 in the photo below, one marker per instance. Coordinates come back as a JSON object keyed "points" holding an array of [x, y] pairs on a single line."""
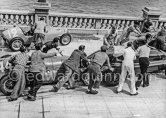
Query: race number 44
{"points": [[12, 33]]}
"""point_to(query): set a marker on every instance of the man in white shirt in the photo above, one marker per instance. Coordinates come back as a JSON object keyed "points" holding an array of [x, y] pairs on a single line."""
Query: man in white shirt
{"points": [[128, 68], [39, 33], [143, 53]]}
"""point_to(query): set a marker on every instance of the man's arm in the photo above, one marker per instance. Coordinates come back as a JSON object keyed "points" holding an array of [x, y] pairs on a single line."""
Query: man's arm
{"points": [[46, 55], [108, 62]]}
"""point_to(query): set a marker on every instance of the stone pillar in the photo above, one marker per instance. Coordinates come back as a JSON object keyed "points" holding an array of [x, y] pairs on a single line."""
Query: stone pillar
{"points": [[42, 8], [152, 13]]}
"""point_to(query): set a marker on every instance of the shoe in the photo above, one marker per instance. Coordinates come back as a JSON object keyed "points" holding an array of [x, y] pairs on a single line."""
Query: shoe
{"points": [[31, 98], [92, 92], [117, 92], [68, 88], [134, 94], [144, 85], [54, 89], [12, 99]]}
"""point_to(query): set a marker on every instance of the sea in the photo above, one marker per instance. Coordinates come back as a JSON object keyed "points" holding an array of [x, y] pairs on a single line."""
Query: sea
{"points": [[107, 7]]}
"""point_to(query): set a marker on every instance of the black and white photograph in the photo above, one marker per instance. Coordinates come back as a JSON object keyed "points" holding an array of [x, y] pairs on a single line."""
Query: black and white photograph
{"points": [[82, 58]]}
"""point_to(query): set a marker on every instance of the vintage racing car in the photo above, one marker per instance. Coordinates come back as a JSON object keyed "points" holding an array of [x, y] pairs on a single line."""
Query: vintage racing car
{"points": [[15, 37]]}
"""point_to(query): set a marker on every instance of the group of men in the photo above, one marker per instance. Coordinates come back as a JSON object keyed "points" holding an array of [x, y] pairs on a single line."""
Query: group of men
{"points": [[72, 64]]}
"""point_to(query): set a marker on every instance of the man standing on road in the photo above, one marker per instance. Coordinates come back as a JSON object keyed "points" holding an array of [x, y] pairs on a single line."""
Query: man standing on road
{"points": [[143, 53], [39, 33], [68, 68], [37, 68], [20, 60], [94, 69], [128, 68]]}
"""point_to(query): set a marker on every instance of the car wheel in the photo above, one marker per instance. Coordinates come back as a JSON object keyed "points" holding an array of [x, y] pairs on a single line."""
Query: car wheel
{"points": [[111, 79], [6, 85], [65, 39], [16, 43]]}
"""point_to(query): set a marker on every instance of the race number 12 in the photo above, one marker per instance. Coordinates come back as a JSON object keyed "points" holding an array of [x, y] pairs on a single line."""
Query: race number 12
{"points": [[12, 33]]}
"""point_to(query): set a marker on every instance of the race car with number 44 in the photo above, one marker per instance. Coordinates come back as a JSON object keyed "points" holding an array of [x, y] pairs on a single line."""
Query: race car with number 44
{"points": [[15, 36]]}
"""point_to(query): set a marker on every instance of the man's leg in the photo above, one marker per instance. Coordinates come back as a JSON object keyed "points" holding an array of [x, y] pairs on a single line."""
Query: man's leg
{"points": [[122, 78], [15, 93], [64, 78], [36, 84], [132, 79], [140, 78]]}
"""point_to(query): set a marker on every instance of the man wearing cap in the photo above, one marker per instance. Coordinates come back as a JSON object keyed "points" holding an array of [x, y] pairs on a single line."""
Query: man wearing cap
{"points": [[128, 68], [97, 61], [68, 68]]}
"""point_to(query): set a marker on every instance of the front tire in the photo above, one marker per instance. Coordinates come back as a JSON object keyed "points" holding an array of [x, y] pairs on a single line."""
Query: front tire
{"points": [[65, 39], [6, 85], [16, 43]]}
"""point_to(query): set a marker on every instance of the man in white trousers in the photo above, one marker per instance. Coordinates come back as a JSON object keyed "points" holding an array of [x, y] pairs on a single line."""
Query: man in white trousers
{"points": [[128, 68]]}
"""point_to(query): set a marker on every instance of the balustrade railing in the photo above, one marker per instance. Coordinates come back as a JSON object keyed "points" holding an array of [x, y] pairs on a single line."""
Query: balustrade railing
{"points": [[74, 22]]}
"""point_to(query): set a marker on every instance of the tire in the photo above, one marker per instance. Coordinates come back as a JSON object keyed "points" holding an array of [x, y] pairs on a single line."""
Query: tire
{"points": [[111, 79], [16, 43], [65, 39], [6, 85]]}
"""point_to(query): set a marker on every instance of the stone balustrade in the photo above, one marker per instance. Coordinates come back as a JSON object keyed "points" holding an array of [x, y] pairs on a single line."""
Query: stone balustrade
{"points": [[76, 23]]}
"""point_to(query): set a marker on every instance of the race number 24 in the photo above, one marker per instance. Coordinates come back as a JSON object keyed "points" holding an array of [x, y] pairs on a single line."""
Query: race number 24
{"points": [[12, 33]]}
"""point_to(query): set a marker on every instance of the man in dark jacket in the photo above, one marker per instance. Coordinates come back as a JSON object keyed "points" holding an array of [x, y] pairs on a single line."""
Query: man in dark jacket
{"points": [[50, 45], [68, 68], [97, 61]]}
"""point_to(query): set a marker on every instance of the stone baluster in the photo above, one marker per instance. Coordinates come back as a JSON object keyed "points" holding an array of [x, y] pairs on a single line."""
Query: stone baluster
{"points": [[79, 23], [70, 24], [12, 19], [22, 19], [84, 23], [65, 22], [6, 19], [55, 22], [104, 24], [75, 23], [17, 19], [60, 22], [89, 24], [1, 19], [27, 20]]}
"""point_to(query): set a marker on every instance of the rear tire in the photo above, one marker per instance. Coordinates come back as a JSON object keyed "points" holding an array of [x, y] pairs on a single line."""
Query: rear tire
{"points": [[111, 79]]}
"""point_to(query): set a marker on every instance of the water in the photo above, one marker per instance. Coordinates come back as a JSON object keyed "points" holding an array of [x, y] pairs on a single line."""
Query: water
{"points": [[109, 7]]}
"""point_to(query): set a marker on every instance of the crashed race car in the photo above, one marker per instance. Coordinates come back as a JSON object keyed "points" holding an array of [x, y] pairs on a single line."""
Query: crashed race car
{"points": [[157, 60], [15, 37]]}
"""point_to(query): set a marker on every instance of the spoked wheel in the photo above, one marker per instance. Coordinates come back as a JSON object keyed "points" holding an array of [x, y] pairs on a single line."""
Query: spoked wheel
{"points": [[16, 43], [65, 39], [6, 85]]}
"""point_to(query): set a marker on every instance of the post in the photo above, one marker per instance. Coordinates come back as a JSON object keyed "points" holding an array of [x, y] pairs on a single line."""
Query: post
{"points": [[152, 13], [42, 8]]}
